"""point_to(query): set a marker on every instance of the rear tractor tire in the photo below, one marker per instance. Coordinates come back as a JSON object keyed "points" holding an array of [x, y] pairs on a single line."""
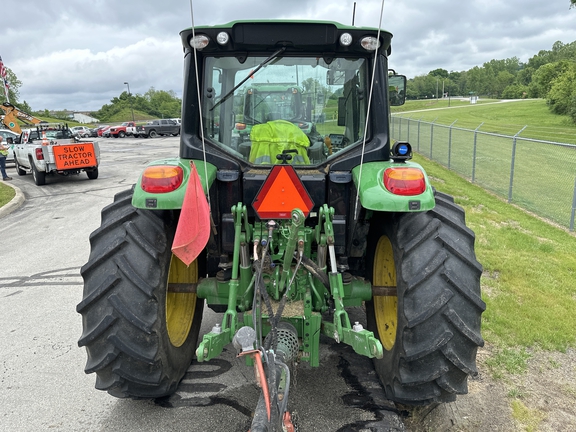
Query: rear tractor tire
{"points": [[140, 336], [430, 325]]}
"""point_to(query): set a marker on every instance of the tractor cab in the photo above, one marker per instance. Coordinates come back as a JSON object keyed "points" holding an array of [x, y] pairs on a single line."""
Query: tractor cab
{"points": [[317, 87]]}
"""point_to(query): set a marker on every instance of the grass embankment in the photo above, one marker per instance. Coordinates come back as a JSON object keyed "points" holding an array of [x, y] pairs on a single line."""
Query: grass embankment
{"points": [[528, 284], [506, 118], [118, 118], [6, 194], [529, 280]]}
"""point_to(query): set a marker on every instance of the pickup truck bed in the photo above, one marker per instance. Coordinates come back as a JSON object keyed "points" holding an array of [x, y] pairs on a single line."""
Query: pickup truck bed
{"points": [[158, 127], [60, 153]]}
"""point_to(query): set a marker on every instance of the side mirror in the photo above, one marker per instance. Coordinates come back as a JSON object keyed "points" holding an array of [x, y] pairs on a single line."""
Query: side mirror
{"points": [[396, 89]]}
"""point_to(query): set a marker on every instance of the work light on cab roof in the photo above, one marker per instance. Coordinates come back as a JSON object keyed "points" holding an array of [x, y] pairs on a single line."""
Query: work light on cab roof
{"points": [[370, 43], [199, 41]]}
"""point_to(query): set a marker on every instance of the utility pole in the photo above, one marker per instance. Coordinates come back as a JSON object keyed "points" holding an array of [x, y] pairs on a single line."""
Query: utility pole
{"points": [[130, 100]]}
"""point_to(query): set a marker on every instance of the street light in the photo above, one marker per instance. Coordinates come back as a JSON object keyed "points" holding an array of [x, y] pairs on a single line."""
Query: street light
{"points": [[130, 100]]}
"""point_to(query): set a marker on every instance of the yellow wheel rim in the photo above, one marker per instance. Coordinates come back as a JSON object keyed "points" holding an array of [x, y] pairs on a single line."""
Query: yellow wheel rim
{"points": [[385, 307], [180, 306]]}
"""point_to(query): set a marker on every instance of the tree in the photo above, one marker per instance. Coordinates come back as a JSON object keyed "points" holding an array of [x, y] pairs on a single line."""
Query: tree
{"points": [[163, 104], [562, 94], [422, 87], [13, 91], [544, 77], [515, 91], [156, 103], [439, 73]]}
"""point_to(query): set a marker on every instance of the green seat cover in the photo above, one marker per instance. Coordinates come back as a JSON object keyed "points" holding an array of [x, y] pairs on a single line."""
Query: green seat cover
{"points": [[272, 138]]}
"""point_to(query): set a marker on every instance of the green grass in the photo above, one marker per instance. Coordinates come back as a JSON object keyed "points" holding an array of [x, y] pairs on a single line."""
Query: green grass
{"points": [[529, 279], [506, 118], [544, 175], [6, 194], [509, 360], [529, 419], [126, 115], [426, 104]]}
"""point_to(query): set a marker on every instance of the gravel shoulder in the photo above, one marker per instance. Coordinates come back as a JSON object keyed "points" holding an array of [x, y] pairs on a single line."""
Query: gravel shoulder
{"points": [[541, 399]]}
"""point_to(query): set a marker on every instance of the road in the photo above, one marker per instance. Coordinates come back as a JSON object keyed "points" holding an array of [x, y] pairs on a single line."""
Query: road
{"points": [[44, 243]]}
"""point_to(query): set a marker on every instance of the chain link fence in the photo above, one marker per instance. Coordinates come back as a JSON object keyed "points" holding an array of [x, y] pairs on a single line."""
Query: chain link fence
{"points": [[539, 176]]}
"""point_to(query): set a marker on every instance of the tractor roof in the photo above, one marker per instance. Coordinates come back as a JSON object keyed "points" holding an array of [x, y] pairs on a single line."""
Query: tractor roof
{"points": [[293, 35]]}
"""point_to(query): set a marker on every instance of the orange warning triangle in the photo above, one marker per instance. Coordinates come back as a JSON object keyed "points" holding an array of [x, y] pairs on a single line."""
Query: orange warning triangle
{"points": [[281, 193]]}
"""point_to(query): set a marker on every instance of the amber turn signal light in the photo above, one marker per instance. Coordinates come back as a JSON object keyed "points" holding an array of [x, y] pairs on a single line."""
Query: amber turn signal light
{"points": [[162, 178], [404, 181]]}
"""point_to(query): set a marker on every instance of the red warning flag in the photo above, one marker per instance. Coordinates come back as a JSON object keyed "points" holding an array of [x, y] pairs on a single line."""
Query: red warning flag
{"points": [[193, 228]]}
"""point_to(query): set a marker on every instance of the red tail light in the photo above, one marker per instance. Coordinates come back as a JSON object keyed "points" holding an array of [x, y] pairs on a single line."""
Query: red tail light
{"points": [[39, 154], [162, 179], [404, 181]]}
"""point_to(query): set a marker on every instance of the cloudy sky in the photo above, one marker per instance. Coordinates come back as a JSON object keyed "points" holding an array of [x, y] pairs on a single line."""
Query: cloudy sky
{"points": [[77, 54]]}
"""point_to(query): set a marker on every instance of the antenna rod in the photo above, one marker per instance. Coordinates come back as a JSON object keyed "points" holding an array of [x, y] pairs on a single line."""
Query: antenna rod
{"points": [[368, 112], [354, 13], [200, 108]]}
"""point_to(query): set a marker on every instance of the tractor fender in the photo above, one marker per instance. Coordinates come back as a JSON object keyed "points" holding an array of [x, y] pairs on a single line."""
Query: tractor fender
{"points": [[373, 195], [172, 200]]}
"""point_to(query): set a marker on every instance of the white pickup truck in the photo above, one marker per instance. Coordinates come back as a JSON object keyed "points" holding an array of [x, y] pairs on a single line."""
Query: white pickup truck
{"points": [[54, 150]]}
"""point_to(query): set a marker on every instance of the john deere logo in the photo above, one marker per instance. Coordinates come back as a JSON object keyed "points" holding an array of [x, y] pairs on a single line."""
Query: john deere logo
{"points": [[12, 124]]}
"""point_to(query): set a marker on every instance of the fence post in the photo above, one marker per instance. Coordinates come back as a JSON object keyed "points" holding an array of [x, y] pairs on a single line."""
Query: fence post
{"points": [[400, 129], [512, 163], [432, 136], [474, 153], [450, 142], [573, 208], [408, 131], [418, 146]]}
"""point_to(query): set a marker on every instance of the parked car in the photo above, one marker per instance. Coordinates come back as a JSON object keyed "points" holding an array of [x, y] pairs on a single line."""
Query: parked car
{"points": [[102, 129], [120, 131], [7, 133], [82, 131]]}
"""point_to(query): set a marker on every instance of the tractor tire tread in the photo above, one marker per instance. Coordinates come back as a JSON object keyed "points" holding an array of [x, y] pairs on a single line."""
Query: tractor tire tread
{"points": [[123, 305], [438, 280]]}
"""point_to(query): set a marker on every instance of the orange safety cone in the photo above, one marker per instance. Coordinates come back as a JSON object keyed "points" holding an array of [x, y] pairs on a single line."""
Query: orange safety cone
{"points": [[44, 139]]}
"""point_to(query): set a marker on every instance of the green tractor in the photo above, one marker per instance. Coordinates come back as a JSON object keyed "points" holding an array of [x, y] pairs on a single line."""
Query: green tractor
{"points": [[285, 230]]}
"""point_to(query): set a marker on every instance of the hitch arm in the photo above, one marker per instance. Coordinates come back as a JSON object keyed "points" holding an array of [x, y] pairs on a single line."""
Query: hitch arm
{"points": [[362, 341], [214, 342]]}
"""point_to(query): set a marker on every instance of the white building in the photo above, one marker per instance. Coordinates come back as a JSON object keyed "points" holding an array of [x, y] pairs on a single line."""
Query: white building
{"points": [[84, 118]]}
